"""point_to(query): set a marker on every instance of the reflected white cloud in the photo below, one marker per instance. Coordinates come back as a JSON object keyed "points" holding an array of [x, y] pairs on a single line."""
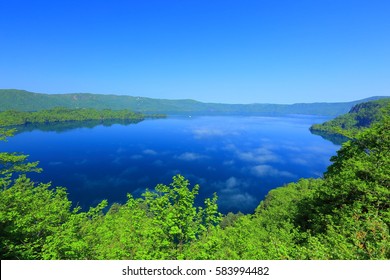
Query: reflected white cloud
{"points": [[149, 152], [262, 154], [300, 161], [267, 170], [231, 185], [207, 132], [136, 157], [239, 199], [232, 182], [310, 156], [120, 150], [215, 131], [230, 147], [190, 156], [228, 162], [232, 194], [291, 147]]}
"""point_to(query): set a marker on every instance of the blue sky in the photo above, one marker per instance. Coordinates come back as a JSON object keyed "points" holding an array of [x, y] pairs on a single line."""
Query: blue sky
{"points": [[264, 51]]}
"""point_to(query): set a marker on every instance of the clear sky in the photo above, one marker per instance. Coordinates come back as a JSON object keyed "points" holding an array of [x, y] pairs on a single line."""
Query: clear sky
{"points": [[260, 51]]}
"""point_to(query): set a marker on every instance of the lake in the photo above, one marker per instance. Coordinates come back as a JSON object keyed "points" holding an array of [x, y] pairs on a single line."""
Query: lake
{"points": [[240, 158]]}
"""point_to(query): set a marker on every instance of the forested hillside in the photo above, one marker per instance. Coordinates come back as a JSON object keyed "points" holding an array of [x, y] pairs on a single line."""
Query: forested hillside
{"points": [[21, 100], [60, 115], [360, 117], [345, 215]]}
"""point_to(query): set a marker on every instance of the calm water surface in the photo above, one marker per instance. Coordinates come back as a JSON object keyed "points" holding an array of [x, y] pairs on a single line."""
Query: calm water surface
{"points": [[239, 158]]}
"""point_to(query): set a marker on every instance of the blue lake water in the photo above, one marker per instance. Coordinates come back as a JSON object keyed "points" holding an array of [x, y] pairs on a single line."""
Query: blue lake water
{"points": [[239, 158]]}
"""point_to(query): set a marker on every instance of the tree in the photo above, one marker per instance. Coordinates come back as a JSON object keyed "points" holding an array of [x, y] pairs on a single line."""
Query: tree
{"points": [[349, 214], [13, 163], [28, 212], [172, 209]]}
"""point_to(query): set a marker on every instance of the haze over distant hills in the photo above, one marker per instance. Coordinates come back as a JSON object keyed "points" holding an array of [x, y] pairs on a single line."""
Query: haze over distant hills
{"points": [[21, 100]]}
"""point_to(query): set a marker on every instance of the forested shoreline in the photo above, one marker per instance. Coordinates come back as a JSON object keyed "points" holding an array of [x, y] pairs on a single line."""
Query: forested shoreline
{"points": [[344, 215], [59, 115], [21, 100], [359, 118]]}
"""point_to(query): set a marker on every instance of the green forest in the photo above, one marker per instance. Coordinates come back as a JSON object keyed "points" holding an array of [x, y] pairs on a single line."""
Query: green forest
{"points": [[359, 118], [344, 215], [21, 100], [61, 115]]}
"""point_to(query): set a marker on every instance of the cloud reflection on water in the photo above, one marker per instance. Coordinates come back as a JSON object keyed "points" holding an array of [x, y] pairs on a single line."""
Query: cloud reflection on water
{"points": [[240, 158]]}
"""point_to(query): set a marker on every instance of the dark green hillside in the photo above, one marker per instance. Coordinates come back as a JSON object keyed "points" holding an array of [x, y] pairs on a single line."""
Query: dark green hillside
{"points": [[60, 115], [21, 100], [360, 117]]}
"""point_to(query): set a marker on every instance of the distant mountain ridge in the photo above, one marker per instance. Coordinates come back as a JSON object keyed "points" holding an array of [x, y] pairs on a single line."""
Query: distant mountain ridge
{"points": [[21, 100]]}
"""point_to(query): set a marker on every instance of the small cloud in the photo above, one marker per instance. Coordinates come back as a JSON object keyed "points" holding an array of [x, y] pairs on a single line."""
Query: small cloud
{"points": [[190, 156], [149, 152], [291, 147], [267, 170], [260, 155], [300, 161], [230, 147], [232, 195], [234, 201], [231, 185], [232, 182], [120, 150], [205, 132], [228, 162]]}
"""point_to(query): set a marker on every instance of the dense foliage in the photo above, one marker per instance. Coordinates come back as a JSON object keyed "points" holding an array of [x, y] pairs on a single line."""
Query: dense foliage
{"points": [[345, 215], [360, 117], [21, 100], [57, 115]]}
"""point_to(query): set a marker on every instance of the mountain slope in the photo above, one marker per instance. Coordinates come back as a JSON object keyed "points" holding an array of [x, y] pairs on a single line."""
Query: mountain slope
{"points": [[11, 99], [360, 117]]}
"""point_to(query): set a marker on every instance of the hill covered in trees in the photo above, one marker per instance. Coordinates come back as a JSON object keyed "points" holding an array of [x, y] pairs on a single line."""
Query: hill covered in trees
{"points": [[20, 100], [360, 117], [60, 115], [344, 215]]}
